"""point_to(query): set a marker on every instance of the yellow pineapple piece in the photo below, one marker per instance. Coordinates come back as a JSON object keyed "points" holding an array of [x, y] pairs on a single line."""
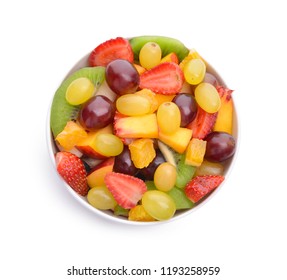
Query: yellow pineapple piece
{"points": [[71, 135], [195, 152], [142, 152], [138, 213], [178, 140], [192, 54]]}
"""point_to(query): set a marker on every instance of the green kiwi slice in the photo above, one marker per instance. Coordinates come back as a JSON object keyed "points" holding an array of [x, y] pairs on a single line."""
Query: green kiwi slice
{"points": [[166, 44], [61, 110]]}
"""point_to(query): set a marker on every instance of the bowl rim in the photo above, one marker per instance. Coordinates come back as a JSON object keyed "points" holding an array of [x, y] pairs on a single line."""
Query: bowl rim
{"points": [[107, 214]]}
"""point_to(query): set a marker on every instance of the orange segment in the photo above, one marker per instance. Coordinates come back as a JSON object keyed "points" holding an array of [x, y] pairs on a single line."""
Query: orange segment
{"points": [[195, 152], [142, 152], [138, 213], [72, 134]]}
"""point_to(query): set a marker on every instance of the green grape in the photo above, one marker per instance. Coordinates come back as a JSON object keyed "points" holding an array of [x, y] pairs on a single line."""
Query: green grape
{"points": [[168, 117], [165, 176], [101, 198], [194, 71], [158, 204], [79, 91], [207, 97], [133, 105], [108, 144], [150, 55]]}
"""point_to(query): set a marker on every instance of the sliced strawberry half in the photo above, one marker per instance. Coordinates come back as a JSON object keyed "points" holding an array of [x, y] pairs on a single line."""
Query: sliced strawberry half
{"points": [[73, 171], [127, 190], [166, 78], [202, 124], [118, 48], [200, 186]]}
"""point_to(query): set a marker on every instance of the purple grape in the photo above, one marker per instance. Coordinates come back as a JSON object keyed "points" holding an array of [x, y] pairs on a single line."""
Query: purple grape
{"points": [[220, 146], [122, 77], [211, 79], [97, 112], [187, 106], [123, 163]]}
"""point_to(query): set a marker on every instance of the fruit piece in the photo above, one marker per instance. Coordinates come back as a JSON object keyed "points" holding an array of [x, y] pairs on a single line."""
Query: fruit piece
{"points": [[101, 198], [158, 204], [148, 172], [138, 213], [142, 152], [224, 119], [61, 110], [136, 127], [79, 91], [180, 199], [211, 79], [150, 55], [71, 135], [97, 113], [166, 44], [202, 124], [73, 171], [187, 107], [200, 186], [105, 90], [127, 190], [207, 97], [161, 98], [96, 176], [118, 48], [171, 57], [178, 140], [122, 77], [184, 172], [193, 54], [139, 68], [194, 71], [168, 117], [187, 88], [120, 211], [209, 168], [165, 78], [108, 145], [151, 97], [87, 145], [165, 177], [133, 105], [220, 146], [195, 152]]}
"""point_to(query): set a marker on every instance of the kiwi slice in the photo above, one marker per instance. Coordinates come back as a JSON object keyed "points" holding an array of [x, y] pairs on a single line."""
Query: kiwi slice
{"points": [[184, 172], [166, 44], [61, 110]]}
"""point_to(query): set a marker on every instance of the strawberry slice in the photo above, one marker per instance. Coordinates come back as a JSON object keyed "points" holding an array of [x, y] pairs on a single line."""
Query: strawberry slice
{"points": [[127, 190], [200, 186], [73, 171], [166, 78], [202, 124], [110, 50]]}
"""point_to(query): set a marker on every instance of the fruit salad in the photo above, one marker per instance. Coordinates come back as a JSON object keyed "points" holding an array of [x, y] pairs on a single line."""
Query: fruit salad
{"points": [[144, 130]]}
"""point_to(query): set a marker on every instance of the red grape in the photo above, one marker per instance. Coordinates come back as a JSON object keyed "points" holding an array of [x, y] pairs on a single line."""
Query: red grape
{"points": [[211, 79], [122, 77], [123, 163], [220, 146], [187, 106], [97, 113]]}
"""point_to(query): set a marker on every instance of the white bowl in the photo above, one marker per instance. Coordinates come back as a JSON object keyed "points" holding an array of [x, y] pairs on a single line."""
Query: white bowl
{"points": [[109, 214]]}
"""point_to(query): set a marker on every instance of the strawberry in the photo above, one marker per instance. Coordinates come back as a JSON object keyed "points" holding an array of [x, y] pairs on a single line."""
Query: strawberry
{"points": [[73, 171], [127, 190], [110, 50], [166, 78], [200, 186], [202, 124]]}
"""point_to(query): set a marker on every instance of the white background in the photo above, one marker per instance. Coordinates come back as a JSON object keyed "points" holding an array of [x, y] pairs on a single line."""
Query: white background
{"points": [[44, 231]]}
